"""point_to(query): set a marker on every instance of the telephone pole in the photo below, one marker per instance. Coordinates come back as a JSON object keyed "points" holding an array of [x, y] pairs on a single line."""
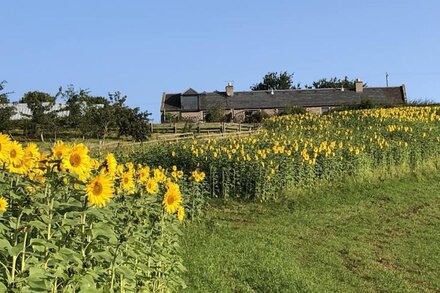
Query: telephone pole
{"points": [[386, 77]]}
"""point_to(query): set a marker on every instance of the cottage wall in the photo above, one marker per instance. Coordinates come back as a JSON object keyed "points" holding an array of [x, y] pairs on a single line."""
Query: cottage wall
{"points": [[314, 110], [192, 116]]}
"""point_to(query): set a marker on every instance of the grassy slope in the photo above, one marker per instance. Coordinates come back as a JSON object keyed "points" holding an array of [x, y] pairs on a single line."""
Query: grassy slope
{"points": [[382, 236]]}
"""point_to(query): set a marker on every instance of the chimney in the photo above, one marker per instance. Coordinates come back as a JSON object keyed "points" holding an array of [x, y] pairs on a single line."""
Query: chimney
{"points": [[358, 85], [229, 89]]}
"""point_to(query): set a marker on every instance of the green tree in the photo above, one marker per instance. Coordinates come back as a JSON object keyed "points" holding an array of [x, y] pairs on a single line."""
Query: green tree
{"points": [[276, 81], [100, 119], [335, 83], [6, 111], [37, 96], [42, 118], [76, 101]]}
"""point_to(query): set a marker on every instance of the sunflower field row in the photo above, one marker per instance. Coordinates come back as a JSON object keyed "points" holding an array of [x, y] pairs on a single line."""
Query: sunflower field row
{"points": [[300, 150], [73, 223]]}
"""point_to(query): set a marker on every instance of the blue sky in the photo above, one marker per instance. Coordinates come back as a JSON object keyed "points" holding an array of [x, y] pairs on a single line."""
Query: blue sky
{"points": [[144, 48]]}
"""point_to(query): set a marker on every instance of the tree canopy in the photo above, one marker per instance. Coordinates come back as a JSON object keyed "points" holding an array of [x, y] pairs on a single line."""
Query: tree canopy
{"points": [[6, 112], [335, 83], [275, 81]]}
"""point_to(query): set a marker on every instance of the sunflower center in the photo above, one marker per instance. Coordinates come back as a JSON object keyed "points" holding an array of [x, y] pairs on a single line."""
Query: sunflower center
{"points": [[170, 200], [13, 153], [75, 160], [97, 188], [126, 180]]}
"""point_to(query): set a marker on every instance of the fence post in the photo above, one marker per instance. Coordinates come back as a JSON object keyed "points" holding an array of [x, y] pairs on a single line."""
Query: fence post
{"points": [[151, 127], [239, 127], [175, 127], [223, 127]]}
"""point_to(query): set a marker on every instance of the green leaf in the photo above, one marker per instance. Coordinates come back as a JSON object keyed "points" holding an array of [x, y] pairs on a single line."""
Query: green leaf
{"points": [[5, 245], [38, 224]]}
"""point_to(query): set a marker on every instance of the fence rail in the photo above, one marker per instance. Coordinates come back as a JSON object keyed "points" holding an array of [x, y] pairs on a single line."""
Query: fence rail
{"points": [[200, 127], [171, 138]]}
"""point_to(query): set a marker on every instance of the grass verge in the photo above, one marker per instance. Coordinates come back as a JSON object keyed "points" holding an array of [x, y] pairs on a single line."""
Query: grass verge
{"points": [[344, 237]]}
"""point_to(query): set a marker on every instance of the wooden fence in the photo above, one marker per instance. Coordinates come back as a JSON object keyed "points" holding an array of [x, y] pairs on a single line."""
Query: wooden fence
{"points": [[200, 127], [172, 137]]}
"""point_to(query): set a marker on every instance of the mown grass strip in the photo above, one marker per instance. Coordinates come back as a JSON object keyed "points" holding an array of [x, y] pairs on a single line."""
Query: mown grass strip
{"points": [[346, 237]]}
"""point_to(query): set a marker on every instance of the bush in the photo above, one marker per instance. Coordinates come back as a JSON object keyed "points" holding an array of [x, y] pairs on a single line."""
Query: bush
{"points": [[257, 117]]}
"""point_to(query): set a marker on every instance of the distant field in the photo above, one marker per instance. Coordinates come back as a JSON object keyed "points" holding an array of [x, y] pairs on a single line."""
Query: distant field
{"points": [[355, 237]]}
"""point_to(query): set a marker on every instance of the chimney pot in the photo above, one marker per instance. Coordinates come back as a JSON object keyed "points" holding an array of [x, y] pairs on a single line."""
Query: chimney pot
{"points": [[359, 86], [230, 90]]}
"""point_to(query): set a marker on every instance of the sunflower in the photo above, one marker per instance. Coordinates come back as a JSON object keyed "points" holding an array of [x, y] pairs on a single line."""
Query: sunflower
{"points": [[100, 190], [181, 213], [111, 164], [159, 175], [4, 147], [31, 155], [77, 161], [143, 174], [19, 167], [59, 150], [3, 204], [127, 182], [152, 186], [172, 199], [16, 153]]}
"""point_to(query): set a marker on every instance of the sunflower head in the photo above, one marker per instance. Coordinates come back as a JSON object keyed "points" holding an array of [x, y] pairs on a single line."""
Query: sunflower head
{"points": [[111, 164], [59, 150], [78, 162], [5, 143], [152, 186], [127, 183], [181, 213], [3, 204], [16, 153], [100, 190], [172, 200]]}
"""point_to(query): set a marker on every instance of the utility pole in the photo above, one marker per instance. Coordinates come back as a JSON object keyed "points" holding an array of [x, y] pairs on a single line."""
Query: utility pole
{"points": [[386, 77]]}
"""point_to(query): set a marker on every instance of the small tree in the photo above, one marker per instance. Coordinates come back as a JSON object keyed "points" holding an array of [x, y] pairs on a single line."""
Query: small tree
{"points": [[42, 117], [6, 111], [275, 81], [335, 83], [215, 114]]}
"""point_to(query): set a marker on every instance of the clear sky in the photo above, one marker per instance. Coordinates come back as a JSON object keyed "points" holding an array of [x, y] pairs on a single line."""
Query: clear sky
{"points": [[144, 48]]}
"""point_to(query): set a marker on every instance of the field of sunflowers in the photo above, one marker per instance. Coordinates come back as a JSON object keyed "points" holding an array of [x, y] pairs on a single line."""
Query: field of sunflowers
{"points": [[71, 222], [301, 150]]}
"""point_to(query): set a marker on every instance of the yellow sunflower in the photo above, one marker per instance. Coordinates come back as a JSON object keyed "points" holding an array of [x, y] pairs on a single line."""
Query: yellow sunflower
{"points": [[159, 175], [100, 190], [172, 200], [181, 213], [143, 174], [111, 164], [3, 204], [4, 147], [16, 153], [127, 183], [18, 167], [77, 161], [152, 186], [59, 150], [31, 155]]}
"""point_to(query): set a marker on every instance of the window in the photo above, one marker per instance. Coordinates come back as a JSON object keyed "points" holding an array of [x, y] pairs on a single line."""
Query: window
{"points": [[189, 102], [324, 109]]}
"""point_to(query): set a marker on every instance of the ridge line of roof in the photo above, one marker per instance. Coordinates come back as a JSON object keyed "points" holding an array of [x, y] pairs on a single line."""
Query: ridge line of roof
{"points": [[290, 90]]}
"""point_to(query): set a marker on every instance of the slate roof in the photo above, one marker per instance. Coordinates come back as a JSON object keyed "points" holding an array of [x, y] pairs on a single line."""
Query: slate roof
{"points": [[287, 98]]}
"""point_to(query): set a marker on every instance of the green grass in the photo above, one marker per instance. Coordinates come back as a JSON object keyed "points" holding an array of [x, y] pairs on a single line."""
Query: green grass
{"points": [[354, 237]]}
